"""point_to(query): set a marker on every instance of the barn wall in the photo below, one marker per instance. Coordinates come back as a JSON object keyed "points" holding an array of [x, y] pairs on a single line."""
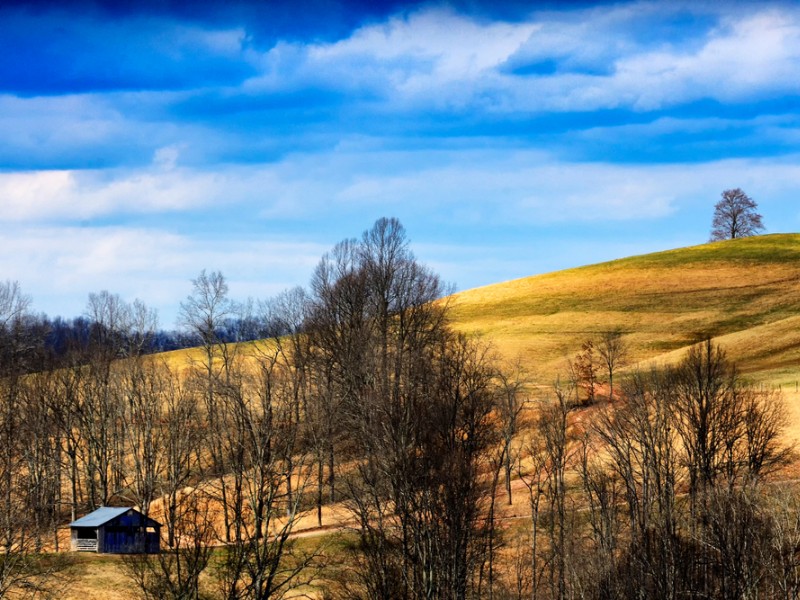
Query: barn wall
{"points": [[125, 540]]}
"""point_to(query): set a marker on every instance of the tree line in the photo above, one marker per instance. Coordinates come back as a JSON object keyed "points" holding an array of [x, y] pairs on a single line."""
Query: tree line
{"points": [[62, 338], [654, 485]]}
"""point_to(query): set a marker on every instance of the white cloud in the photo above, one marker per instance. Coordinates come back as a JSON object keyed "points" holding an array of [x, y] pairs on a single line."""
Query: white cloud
{"points": [[434, 57], [74, 196], [406, 57], [503, 188], [744, 59], [35, 123], [402, 70], [443, 45], [80, 195], [411, 65], [584, 40], [748, 56], [87, 129]]}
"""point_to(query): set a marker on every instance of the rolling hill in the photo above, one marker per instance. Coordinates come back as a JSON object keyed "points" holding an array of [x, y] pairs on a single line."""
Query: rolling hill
{"points": [[745, 293]]}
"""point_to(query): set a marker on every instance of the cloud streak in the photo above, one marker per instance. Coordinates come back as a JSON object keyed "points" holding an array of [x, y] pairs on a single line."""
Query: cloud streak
{"points": [[498, 186]]}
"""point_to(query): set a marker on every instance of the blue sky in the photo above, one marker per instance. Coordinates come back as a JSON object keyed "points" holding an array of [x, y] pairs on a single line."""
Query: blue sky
{"points": [[141, 145]]}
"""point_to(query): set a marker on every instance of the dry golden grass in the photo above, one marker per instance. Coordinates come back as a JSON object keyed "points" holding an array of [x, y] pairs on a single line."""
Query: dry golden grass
{"points": [[98, 577], [744, 293], [181, 361]]}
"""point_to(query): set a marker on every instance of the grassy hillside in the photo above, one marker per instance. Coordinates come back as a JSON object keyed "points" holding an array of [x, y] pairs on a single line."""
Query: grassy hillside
{"points": [[745, 293]]}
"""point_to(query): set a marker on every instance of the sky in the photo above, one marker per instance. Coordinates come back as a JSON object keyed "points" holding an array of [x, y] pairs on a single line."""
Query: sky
{"points": [[141, 145]]}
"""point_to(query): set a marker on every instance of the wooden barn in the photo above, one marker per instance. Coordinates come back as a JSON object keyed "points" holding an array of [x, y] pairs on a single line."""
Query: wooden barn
{"points": [[116, 531]]}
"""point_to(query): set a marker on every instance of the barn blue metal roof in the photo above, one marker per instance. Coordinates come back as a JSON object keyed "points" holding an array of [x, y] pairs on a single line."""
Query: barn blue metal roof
{"points": [[99, 517]]}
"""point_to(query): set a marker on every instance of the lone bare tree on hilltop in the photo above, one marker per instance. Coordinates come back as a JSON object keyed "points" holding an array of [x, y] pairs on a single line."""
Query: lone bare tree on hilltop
{"points": [[735, 216]]}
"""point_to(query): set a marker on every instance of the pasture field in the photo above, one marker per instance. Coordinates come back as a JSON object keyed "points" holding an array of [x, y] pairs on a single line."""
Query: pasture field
{"points": [[745, 293]]}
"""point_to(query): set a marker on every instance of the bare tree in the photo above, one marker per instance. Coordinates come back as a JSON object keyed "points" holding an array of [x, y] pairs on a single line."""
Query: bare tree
{"points": [[27, 498], [549, 454], [143, 386], [783, 560], [101, 409], [737, 530], [534, 473], [174, 573], [696, 426], [182, 429], [203, 314], [65, 410], [604, 493], [614, 353], [558, 446], [639, 439], [41, 457], [339, 352], [186, 510], [735, 216], [583, 371], [730, 432], [263, 447], [288, 350], [415, 400], [513, 384]]}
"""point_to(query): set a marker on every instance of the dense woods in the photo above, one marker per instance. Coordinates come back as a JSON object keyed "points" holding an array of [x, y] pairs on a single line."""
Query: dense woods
{"points": [[650, 483]]}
